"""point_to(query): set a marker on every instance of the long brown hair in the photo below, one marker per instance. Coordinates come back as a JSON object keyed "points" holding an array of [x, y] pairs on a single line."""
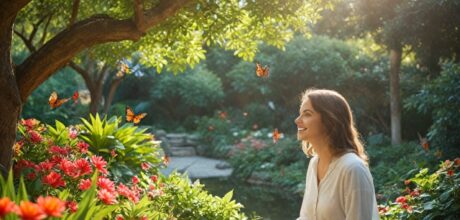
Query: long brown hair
{"points": [[337, 119]]}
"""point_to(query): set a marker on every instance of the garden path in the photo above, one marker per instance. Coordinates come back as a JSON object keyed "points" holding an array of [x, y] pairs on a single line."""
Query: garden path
{"points": [[197, 167]]}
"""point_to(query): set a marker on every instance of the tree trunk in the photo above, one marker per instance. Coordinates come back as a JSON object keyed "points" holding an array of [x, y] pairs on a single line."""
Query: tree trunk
{"points": [[10, 100], [395, 96], [113, 88]]}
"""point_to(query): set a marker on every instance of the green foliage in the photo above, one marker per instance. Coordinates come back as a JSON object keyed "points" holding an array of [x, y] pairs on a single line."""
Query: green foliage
{"points": [[132, 145], [178, 41], [428, 195], [441, 98], [189, 201]]}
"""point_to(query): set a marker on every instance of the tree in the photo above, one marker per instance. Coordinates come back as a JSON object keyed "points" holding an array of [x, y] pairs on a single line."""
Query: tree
{"points": [[168, 33]]}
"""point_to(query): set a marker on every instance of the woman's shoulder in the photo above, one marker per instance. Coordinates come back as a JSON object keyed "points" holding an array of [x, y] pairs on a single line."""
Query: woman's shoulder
{"points": [[351, 161]]}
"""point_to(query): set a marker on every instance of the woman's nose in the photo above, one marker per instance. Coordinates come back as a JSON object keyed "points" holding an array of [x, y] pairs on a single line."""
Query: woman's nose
{"points": [[296, 121]]}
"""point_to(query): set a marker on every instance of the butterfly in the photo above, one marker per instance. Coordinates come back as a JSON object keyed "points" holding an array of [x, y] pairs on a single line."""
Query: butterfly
{"points": [[262, 71], [276, 135], [55, 102], [75, 97], [130, 116], [424, 142], [165, 159]]}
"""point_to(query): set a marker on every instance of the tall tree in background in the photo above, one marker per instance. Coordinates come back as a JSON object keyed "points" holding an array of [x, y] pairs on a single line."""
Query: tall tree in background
{"points": [[168, 33]]}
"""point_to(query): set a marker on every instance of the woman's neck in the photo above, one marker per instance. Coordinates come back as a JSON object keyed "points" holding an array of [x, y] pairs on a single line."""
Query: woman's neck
{"points": [[323, 151]]}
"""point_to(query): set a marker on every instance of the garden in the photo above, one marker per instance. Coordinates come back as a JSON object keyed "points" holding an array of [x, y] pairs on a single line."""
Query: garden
{"points": [[89, 87]]}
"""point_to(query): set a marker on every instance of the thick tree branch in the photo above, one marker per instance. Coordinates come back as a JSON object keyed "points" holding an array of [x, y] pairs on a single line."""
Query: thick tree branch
{"points": [[73, 17], [139, 17], [9, 9], [57, 52]]}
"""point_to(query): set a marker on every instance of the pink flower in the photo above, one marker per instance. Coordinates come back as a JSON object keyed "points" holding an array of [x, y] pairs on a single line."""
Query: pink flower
{"points": [[99, 163], [54, 180], [145, 166], [84, 184], [107, 197], [73, 133], [415, 193]]}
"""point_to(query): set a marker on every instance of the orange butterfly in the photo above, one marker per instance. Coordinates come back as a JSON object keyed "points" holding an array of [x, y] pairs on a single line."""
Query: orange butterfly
{"points": [[424, 142], [165, 159], [55, 102], [262, 71], [130, 116], [276, 135]]}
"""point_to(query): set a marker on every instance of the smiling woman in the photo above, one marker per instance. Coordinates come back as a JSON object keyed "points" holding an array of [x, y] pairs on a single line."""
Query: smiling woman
{"points": [[338, 183]]}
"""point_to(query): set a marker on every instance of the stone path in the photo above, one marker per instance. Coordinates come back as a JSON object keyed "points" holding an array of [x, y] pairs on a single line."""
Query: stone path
{"points": [[197, 167]]}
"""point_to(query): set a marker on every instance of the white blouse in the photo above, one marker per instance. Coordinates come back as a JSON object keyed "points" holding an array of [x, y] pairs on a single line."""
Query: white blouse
{"points": [[345, 192]]}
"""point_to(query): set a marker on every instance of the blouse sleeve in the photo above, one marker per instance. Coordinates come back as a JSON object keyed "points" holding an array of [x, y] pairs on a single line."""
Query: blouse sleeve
{"points": [[359, 194]]}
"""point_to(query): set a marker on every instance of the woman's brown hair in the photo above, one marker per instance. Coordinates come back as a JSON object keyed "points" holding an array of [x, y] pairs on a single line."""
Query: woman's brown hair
{"points": [[337, 119]]}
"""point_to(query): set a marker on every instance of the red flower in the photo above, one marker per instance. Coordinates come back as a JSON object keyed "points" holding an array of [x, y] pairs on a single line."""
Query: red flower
{"points": [[7, 206], [31, 176], [105, 183], [83, 166], [73, 133], [457, 161], [135, 180], [83, 146], [407, 182], [407, 207], [58, 150], [52, 206], [107, 197], [53, 179], [113, 153], [99, 163], [46, 166], [401, 199], [415, 193], [154, 178], [84, 184], [126, 192], [35, 137], [383, 209], [29, 123], [119, 217], [72, 206], [145, 166], [30, 211], [450, 173], [69, 168], [144, 218]]}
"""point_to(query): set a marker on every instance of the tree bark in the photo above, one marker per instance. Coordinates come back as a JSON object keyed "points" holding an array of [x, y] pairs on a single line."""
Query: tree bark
{"points": [[11, 104], [395, 96], [113, 88]]}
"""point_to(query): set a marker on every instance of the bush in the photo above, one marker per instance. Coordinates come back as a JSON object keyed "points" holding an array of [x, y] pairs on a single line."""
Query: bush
{"points": [[428, 196], [441, 97], [57, 162]]}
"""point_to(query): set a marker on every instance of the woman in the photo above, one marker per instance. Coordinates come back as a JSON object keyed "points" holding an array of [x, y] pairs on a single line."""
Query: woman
{"points": [[338, 183]]}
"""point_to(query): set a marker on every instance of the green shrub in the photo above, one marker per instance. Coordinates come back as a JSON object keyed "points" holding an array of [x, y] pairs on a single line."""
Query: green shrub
{"points": [[441, 98], [428, 195]]}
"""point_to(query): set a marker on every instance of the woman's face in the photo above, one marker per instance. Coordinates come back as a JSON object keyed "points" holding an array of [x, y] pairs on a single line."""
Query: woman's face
{"points": [[309, 125]]}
